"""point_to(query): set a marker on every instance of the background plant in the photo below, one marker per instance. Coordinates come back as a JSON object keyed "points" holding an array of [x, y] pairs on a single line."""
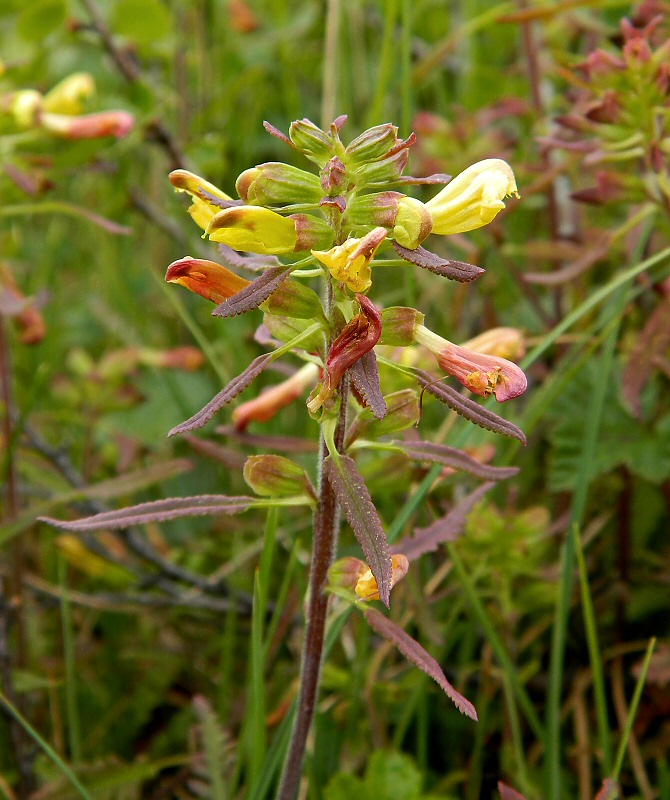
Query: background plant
{"points": [[493, 78]]}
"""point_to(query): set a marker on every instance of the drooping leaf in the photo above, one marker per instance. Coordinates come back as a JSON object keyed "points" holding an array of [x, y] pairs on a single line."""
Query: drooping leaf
{"points": [[254, 294], [506, 793], [445, 529], [415, 653], [365, 378], [156, 511], [455, 270], [353, 496], [469, 408], [456, 459], [237, 385]]}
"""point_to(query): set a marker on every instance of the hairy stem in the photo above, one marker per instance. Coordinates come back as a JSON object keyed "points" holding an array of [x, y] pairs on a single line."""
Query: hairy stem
{"points": [[326, 526]]}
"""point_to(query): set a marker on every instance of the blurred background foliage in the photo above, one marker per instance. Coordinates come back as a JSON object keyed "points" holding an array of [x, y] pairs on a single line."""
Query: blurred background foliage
{"points": [[135, 657]]}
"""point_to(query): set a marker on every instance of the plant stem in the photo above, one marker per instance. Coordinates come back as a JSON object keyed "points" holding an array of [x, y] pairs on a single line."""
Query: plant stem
{"points": [[326, 526]]}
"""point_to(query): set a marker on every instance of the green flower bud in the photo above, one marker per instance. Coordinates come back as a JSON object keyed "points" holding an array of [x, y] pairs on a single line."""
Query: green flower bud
{"points": [[334, 178], [378, 209], [385, 170], [278, 183], [312, 232], [294, 299], [372, 144], [413, 223], [311, 141], [399, 324], [276, 476]]}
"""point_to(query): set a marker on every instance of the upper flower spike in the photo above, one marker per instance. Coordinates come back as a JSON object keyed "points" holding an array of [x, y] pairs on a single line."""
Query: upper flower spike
{"points": [[473, 198]]}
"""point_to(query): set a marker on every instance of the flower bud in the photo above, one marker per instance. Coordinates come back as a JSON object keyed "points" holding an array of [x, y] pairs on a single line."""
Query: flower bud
{"points": [[293, 299], [385, 170], [278, 183], [89, 126], [372, 144], [480, 373], [312, 232], [276, 476], [269, 402], [413, 223], [399, 324], [333, 177], [473, 198], [350, 262], [66, 97], [311, 141], [374, 209], [207, 278], [253, 229]]}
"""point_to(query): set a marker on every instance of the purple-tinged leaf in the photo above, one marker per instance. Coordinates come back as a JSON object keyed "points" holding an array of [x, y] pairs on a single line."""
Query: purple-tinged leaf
{"points": [[253, 263], [413, 651], [365, 378], [338, 122], [353, 496], [444, 529], [429, 180], [456, 459], [237, 385], [506, 793], [156, 511], [278, 134], [608, 791], [446, 268], [468, 408], [254, 294]]}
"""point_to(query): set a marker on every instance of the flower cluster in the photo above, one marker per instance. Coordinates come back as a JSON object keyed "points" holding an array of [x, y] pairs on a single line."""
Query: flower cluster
{"points": [[59, 112], [617, 120], [336, 222]]}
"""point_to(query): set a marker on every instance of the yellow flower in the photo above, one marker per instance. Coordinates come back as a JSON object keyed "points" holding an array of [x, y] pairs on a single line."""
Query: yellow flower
{"points": [[473, 198], [208, 199], [350, 262], [366, 585], [254, 229]]}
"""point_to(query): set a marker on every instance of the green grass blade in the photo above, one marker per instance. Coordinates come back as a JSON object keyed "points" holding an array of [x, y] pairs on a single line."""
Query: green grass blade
{"points": [[73, 727], [48, 750], [594, 655], [635, 702]]}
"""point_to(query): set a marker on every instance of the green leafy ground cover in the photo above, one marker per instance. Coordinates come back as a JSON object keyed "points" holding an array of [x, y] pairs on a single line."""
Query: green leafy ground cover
{"points": [[162, 662]]}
